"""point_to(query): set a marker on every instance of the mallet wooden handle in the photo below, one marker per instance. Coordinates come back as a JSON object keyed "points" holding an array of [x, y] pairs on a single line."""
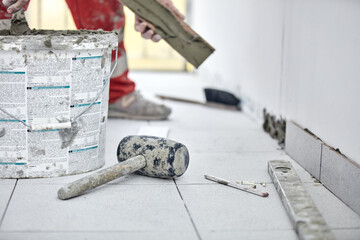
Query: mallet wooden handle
{"points": [[92, 181]]}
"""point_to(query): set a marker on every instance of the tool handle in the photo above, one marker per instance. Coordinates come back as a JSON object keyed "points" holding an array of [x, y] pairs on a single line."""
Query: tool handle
{"points": [[92, 181], [237, 186], [208, 104], [178, 99]]}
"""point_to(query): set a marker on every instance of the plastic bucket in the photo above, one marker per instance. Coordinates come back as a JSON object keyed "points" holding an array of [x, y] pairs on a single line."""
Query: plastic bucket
{"points": [[53, 102]]}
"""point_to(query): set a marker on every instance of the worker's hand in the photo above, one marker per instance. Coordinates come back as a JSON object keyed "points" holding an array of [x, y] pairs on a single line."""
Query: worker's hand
{"points": [[169, 4], [14, 5], [147, 30]]}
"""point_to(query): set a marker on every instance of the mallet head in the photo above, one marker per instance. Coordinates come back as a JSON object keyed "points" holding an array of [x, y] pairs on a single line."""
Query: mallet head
{"points": [[164, 158]]}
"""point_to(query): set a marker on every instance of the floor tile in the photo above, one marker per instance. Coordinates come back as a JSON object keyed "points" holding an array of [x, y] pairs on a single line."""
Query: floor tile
{"points": [[221, 208], [116, 130], [221, 143], [185, 115], [250, 235], [346, 234], [247, 166], [334, 211], [190, 116], [137, 235], [157, 131], [108, 208], [137, 179], [6, 188], [224, 141], [131, 179], [7, 181], [180, 85]]}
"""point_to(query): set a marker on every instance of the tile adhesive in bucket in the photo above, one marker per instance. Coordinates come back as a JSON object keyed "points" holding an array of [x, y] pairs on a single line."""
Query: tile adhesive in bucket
{"points": [[54, 88]]}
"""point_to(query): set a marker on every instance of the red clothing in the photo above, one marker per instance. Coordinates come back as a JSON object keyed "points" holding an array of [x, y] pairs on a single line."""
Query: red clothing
{"points": [[107, 15]]}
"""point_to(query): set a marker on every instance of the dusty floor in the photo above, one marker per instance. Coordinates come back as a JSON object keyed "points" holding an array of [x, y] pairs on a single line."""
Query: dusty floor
{"points": [[221, 143]]}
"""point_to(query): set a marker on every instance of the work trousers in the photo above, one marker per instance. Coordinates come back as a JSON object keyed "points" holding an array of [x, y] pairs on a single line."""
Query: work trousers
{"points": [[99, 14]]}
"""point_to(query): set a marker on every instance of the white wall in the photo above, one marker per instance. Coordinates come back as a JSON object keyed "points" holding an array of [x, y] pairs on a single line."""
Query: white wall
{"points": [[299, 59], [247, 36]]}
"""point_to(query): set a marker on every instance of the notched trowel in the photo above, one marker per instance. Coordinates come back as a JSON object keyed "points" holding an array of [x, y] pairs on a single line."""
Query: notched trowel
{"points": [[172, 29], [19, 25], [214, 98]]}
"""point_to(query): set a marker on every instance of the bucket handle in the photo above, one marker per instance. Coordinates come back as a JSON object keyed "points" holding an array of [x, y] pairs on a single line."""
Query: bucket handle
{"points": [[66, 125]]}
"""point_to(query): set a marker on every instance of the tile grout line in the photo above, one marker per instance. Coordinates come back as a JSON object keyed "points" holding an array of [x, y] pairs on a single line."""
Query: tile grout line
{"points": [[187, 210], [7, 205], [321, 158]]}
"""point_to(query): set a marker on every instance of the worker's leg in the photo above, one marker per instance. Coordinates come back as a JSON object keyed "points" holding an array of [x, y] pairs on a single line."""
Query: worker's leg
{"points": [[95, 14], [124, 102]]}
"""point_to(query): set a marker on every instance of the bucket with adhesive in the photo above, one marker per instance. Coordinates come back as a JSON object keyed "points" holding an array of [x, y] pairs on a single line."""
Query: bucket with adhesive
{"points": [[54, 88]]}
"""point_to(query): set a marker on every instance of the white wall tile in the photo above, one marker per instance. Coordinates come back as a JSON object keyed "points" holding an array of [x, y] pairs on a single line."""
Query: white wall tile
{"points": [[303, 148], [341, 176]]}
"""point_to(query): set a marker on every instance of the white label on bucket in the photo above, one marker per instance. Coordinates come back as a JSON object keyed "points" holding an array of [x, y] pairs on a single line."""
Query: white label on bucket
{"points": [[49, 88]]}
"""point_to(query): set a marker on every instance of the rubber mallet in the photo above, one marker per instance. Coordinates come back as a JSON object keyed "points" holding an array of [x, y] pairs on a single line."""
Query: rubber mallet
{"points": [[145, 155]]}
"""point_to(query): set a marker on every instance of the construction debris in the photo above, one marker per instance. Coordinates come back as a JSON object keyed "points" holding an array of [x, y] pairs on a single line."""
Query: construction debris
{"points": [[251, 184], [263, 184], [275, 127], [316, 182]]}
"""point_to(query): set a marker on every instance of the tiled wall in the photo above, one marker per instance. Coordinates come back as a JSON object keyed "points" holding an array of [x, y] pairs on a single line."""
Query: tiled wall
{"points": [[298, 59], [334, 170]]}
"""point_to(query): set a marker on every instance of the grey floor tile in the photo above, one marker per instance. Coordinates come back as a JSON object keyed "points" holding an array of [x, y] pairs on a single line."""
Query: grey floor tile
{"points": [[116, 130], [247, 166], [250, 235], [136, 179], [138, 235], [184, 115], [131, 179], [221, 208], [346, 234], [110, 208], [180, 85], [222, 143], [334, 211], [189, 116], [6, 188], [239, 141], [7, 181]]}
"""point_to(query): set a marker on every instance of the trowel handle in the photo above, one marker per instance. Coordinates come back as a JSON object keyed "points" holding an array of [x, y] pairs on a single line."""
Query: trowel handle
{"points": [[92, 181]]}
